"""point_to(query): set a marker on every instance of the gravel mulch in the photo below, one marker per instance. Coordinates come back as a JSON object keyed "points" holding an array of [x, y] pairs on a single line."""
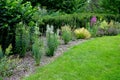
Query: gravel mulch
{"points": [[27, 64]]}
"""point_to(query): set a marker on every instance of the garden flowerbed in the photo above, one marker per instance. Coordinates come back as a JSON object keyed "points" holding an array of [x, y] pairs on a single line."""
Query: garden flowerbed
{"points": [[27, 64]]}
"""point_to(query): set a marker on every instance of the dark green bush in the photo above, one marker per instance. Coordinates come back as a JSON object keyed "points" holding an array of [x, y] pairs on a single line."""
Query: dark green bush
{"points": [[68, 6], [13, 12]]}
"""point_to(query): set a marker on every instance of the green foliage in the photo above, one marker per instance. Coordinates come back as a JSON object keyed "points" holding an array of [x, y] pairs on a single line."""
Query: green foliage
{"points": [[22, 39], [8, 50], [66, 33], [34, 32], [68, 6], [7, 66], [1, 78], [111, 6], [103, 24], [1, 52], [106, 28], [37, 50], [82, 33], [52, 41], [75, 19], [13, 12]]}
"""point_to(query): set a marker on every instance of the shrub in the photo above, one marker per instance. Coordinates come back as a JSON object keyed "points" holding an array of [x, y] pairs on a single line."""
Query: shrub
{"points": [[52, 41], [7, 65], [37, 50], [111, 31], [22, 40], [66, 33], [108, 29], [101, 32], [82, 33], [12, 12], [104, 24]]}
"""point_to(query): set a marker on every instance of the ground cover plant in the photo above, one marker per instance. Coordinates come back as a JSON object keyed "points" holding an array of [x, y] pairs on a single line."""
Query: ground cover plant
{"points": [[95, 59]]}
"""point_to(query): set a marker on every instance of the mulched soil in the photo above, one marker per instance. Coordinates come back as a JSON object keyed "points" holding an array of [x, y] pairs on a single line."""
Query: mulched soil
{"points": [[27, 64]]}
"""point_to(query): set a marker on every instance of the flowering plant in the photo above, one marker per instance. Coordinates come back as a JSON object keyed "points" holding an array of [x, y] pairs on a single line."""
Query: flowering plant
{"points": [[93, 20]]}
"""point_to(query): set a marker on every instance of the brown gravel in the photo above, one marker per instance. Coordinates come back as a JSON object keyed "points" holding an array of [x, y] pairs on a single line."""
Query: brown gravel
{"points": [[27, 64]]}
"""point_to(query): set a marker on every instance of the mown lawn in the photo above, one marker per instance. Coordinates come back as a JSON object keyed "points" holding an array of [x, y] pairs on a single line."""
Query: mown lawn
{"points": [[96, 59]]}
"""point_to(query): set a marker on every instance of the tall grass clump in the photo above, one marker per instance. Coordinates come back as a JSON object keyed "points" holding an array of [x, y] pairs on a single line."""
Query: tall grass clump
{"points": [[38, 46], [66, 33], [37, 50], [52, 41]]}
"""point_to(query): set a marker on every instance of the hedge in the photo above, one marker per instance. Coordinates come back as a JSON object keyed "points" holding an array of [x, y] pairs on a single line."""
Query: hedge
{"points": [[75, 19]]}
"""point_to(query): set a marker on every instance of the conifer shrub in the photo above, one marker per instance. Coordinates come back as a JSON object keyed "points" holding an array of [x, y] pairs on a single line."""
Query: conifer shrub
{"points": [[52, 41]]}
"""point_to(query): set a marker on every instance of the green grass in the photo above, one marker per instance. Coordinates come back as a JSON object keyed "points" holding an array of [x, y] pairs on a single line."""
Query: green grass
{"points": [[96, 59]]}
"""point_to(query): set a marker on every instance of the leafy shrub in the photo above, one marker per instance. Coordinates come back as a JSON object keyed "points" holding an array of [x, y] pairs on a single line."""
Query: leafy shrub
{"points": [[66, 33], [108, 29], [12, 12], [82, 33], [104, 24], [7, 65], [37, 50], [52, 41], [101, 32], [22, 40]]}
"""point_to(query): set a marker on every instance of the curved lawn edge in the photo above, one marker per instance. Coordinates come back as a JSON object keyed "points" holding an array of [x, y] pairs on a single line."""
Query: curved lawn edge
{"points": [[96, 59]]}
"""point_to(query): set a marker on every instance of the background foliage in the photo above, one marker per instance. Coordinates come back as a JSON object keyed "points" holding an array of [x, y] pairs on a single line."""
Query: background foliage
{"points": [[68, 6]]}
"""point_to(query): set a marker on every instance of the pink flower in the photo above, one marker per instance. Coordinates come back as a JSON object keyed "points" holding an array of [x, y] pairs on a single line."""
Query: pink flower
{"points": [[93, 20]]}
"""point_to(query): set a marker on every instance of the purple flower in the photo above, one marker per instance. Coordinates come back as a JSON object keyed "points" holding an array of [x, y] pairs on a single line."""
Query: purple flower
{"points": [[93, 20]]}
